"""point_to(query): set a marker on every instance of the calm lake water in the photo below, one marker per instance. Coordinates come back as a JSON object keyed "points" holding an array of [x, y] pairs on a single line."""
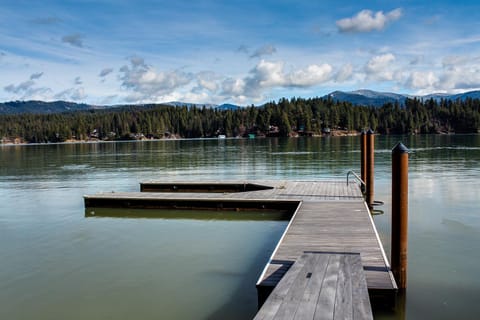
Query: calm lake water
{"points": [[57, 264]]}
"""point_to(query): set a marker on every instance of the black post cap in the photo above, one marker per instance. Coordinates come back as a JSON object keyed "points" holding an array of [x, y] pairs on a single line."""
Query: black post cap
{"points": [[370, 131], [400, 148]]}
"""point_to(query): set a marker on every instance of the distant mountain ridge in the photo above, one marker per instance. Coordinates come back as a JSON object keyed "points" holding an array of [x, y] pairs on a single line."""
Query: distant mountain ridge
{"points": [[378, 99], [43, 107], [358, 97], [17, 107]]}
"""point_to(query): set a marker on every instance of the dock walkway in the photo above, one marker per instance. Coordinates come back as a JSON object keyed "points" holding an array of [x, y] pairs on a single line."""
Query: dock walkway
{"points": [[327, 217], [320, 286]]}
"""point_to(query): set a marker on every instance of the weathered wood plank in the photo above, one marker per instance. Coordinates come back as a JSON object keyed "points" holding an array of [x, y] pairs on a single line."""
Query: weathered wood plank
{"points": [[361, 301], [307, 307], [276, 298], [320, 286], [326, 300], [343, 298]]}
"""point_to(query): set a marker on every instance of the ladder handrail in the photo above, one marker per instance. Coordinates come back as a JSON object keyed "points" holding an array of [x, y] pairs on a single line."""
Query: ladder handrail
{"points": [[363, 186]]}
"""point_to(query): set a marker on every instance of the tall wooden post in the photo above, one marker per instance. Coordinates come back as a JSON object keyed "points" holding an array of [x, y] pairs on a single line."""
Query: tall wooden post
{"points": [[400, 214], [370, 167], [363, 156]]}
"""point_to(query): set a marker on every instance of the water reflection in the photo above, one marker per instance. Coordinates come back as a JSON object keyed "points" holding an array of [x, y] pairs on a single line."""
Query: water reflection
{"points": [[54, 259]]}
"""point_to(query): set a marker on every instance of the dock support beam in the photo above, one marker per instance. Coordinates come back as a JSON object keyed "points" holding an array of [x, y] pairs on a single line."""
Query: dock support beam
{"points": [[370, 148], [400, 214]]}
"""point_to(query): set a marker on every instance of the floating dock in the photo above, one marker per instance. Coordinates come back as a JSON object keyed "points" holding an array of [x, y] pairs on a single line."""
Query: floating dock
{"points": [[320, 286], [328, 217]]}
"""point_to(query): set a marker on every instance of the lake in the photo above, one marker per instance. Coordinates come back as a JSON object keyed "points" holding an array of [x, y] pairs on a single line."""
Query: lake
{"points": [[58, 264]]}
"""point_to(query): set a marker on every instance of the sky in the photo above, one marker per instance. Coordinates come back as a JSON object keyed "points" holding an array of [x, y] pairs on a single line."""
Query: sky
{"points": [[109, 52]]}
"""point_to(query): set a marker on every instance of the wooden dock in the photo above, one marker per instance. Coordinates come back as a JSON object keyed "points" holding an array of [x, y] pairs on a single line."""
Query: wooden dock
{"points": [[320, 286], [328, 217]]}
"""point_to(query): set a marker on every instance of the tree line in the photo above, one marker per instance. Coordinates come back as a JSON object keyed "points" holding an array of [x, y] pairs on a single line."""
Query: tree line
{"points": [[285, 117]]}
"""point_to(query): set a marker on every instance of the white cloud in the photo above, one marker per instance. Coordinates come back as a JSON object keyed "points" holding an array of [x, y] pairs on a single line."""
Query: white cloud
{"points": [[147, 84], [457, 73], [75, 40], [233, 87], [380, 67], [345, 73], [207, 80], [422, 80], [367, 21], [267, 74], [310, 76], [270, 75], [461, 78]]}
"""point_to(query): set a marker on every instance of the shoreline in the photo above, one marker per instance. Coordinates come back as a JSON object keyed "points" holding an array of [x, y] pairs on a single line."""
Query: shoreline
{"points": [[340, 133]]}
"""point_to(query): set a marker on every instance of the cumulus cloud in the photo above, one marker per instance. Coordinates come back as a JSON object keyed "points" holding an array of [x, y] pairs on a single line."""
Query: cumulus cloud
{"points": [[271, 74], [422, 80], [145, 83], [35, 76], [367, 21], [460, 78], [233, 87], [379, 67], [310, 76], [457, 73], [207, 80], [267, 74], [75, 40], [345, 73], [263, 51], [105, 72]]}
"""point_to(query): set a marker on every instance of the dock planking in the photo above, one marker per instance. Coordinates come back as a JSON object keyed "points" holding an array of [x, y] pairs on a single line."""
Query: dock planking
{"points": [[327, 217], [330, 227], [320, 286]]}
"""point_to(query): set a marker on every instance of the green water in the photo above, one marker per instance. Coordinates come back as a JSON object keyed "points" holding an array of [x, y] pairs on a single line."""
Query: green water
{"points": [[58, 263]]}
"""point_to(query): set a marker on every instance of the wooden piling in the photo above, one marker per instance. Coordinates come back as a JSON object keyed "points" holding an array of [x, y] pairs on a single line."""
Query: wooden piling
{"points": [[370, 148], [363, 155], [400, 214]]}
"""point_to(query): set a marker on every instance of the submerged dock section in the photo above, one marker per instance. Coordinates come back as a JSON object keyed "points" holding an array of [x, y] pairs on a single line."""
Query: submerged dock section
{"points": [[326, 217]]}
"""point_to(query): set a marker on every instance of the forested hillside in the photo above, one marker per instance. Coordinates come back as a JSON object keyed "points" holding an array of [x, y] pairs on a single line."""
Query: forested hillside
{"points": [[282, 118]]}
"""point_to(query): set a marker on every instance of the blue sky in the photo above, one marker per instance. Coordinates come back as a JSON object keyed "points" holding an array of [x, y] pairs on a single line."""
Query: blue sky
{"points": [[243, 52]]}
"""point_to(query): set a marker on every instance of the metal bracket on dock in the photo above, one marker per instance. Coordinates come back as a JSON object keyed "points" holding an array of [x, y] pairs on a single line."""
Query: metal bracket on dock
{"points": [[363, 186]]}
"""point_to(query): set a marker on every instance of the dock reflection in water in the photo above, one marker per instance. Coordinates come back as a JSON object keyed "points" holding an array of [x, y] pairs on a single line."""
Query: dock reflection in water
{"points": [[240, 215]]}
